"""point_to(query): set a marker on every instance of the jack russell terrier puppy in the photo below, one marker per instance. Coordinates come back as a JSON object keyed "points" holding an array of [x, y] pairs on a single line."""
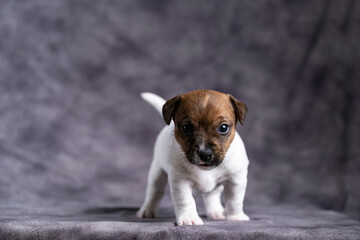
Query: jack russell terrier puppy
{"points": [[199, 149]]}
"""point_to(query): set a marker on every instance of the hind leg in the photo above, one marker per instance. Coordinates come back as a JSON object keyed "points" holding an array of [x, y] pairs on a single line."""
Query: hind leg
{"points": [[157, 180], [234, 197], [213, 206]]}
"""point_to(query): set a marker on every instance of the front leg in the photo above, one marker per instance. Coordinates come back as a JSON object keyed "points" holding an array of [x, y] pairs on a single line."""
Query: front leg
{"points": [[234, 190], [184, 203]]}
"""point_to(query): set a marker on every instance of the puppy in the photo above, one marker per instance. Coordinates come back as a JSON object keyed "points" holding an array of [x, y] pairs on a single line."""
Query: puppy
{"points": [[199, 149]]}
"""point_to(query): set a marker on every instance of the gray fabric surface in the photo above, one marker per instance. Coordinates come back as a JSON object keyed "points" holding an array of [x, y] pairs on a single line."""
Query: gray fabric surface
{"points": [[76, 139], [270, 222]]}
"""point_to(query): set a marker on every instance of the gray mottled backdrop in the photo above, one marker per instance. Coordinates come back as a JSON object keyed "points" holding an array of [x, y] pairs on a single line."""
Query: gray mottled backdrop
{"points": [[74, 131]]}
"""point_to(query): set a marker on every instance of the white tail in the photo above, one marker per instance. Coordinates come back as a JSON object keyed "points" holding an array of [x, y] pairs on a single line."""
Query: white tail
{"points": [[156, 101]]}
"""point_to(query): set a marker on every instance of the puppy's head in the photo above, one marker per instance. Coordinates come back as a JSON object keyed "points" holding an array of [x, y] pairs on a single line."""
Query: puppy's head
{"points": [[205, 123]]}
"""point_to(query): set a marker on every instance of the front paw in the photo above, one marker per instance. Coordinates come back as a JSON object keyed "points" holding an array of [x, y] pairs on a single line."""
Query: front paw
{"points": [[238, 217], [189, 219], [146, 212]]}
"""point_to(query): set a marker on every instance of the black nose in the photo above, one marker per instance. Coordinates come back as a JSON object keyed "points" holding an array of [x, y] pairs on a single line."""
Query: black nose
{"points": [[205, 154]]}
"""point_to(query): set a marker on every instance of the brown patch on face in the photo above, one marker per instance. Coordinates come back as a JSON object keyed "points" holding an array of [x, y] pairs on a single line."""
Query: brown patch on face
{"points": [[200, 118]]}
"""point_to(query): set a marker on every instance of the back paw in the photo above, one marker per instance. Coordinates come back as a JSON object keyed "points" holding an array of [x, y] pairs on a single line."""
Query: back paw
{"points": [[217, 214], [146, 213]]}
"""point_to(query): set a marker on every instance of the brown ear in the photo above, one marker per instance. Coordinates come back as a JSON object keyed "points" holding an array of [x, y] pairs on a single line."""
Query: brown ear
{"points": [[239, 108], [170, 108]]}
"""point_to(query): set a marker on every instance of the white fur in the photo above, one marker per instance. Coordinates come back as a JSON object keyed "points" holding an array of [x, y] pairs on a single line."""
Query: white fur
{"points": [[154, 100], [170, 165]]}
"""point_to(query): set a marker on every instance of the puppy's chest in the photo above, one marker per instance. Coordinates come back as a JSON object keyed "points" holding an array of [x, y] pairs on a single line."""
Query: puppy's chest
{"points": [[205, 181]]}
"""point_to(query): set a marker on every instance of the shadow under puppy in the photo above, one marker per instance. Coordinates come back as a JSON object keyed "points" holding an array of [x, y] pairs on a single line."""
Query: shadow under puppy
{"points": [[200, 149]]}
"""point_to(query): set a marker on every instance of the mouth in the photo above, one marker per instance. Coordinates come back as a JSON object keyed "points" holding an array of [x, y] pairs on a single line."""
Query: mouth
{"points": [[204, 165]]}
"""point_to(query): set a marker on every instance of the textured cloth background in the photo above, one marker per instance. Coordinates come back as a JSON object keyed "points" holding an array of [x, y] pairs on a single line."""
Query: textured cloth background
{"points": [[76, 139]]}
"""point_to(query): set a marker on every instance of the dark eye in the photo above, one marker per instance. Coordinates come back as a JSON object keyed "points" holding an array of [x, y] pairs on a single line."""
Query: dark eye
{"points": [[187, 129], [223, 129]]}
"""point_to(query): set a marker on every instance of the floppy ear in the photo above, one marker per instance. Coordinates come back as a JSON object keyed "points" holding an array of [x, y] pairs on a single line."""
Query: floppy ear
{"points": [[240, 109], [170, 108]]}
